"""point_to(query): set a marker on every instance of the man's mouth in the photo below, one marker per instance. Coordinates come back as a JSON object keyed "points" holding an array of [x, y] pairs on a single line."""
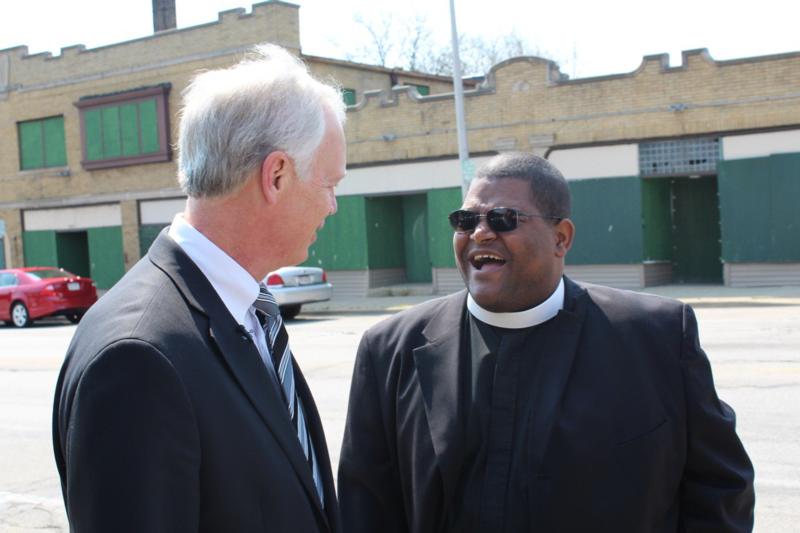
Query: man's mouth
{"points": [[478, 261]]}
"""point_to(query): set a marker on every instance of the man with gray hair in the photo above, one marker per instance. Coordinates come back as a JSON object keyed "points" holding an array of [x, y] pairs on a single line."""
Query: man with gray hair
{"points": [[179, 406], [530, 402]]}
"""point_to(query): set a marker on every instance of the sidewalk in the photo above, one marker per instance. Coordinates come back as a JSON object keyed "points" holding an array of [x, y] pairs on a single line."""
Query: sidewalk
{"points": [[695, 295]]}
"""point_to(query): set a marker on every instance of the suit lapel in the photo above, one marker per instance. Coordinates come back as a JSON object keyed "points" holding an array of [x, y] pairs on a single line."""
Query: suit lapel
{"points": [[248, 368], [558, 354], [437, 363], [238, 352]]}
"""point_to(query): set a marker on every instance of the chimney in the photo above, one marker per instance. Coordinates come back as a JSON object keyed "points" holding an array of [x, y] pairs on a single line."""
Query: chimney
{"points": [[163, 15]]}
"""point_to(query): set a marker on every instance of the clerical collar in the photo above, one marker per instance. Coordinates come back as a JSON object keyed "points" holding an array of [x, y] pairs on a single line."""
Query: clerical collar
{"points": [[521, 319]]}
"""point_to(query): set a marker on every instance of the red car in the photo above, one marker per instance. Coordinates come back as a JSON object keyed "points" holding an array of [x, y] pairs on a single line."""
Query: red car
{"points": [[35, 292]]}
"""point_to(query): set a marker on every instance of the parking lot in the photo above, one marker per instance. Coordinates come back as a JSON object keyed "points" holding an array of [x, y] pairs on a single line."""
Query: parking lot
{"points": [[754, 349]]}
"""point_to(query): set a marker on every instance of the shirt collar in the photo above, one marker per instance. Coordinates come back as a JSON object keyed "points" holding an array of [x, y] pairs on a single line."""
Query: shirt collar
{"points": [[235, 286], [521, 319]]}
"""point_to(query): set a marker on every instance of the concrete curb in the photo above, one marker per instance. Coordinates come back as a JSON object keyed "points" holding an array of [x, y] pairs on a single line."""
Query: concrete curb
{"points": [[696, 296]]}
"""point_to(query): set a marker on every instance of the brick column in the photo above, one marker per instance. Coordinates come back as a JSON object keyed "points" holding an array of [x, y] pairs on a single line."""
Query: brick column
{"points": [[13, 237], [130, 232]]}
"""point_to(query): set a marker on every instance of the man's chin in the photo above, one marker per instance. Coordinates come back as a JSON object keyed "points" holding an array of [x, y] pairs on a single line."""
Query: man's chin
{"points": [[487, 297]]}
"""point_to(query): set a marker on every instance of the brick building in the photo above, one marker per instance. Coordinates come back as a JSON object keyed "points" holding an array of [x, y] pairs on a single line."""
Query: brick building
{"points": [[685, 174]]}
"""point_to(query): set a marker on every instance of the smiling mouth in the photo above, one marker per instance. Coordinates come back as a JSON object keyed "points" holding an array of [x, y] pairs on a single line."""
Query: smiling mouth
{"points": [[478, 261]]}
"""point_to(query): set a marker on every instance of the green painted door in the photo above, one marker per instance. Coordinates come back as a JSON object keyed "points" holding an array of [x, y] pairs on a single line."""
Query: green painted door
{"points": [[2, 253], [107, 262], [696, 231], [72, 248], [39, 248], [415, 238]]}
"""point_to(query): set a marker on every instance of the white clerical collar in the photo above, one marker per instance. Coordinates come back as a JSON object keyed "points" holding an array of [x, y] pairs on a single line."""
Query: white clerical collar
{"points": [[235, 286], [521, 319]]}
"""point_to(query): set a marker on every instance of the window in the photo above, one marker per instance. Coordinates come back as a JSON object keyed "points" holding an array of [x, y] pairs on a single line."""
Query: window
{"points": [[8, 280], [349, 96], [41, 143], [127, 128], [423, 90], [677, 157]]}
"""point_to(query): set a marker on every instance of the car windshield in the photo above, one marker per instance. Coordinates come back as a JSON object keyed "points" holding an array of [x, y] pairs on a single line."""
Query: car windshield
{"points": [[49, 273]]}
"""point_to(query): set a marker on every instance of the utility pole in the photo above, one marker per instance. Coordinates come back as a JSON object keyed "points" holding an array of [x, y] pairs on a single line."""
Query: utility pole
{"points": [[467, 169]]}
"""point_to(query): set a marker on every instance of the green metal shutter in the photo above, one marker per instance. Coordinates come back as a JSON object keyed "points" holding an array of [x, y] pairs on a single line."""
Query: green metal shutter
{"points": [[31, 150], [129, 126], [148, 124], [441, 202], [93, 124], [106, 258], [112, 145], [349, 96], [55, 153], [40, 248]]}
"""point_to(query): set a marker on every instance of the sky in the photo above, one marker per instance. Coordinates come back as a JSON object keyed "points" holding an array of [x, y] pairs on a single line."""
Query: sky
{"points": [[587, 38]]}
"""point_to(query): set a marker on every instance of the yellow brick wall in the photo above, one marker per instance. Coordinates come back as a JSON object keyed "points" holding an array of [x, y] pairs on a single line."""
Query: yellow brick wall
{"points": [[524, 98]]}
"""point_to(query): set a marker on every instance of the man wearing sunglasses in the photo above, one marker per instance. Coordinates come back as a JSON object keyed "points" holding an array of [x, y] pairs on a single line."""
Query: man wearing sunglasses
{"points": [[531, 402]]}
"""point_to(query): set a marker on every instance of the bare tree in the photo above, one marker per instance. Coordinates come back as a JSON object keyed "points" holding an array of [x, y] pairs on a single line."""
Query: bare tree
{"points": [[410, 44], [381, 41]]}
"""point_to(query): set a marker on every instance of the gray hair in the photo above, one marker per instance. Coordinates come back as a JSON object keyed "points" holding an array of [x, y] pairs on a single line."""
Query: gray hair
{"points": [[233, 118], [549, 189]]}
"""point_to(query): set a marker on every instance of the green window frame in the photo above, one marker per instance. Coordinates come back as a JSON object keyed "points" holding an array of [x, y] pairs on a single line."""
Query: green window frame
{"points": [[349, 96], [41, 143], [122, 129]]}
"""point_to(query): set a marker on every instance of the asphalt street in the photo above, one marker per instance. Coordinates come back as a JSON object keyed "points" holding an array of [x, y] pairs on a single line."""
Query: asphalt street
{"points": [[754, 349]]}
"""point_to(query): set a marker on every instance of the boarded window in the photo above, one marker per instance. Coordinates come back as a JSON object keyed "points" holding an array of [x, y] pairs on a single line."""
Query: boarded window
{"points": [[127, 128], [423, 90], [349, 96], [41, 143], [121, 131]]}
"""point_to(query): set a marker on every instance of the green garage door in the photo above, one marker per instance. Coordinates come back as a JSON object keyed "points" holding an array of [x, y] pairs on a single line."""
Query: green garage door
{"points": [[696, 231], [415, 238]]}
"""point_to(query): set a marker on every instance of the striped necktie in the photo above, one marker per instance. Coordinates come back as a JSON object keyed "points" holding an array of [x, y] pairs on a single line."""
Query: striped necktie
{"points": [[269, 316]]}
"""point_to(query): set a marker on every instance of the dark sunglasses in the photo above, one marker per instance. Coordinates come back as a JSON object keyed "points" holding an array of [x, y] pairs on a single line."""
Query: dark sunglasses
{"points": [[500, 219]]}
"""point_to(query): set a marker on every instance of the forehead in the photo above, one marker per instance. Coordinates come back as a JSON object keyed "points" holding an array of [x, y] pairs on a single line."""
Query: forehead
{"points": [[331, 156], [503, 192]]}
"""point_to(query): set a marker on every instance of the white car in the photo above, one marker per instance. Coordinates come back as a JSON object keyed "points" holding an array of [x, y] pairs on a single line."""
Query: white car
{"points": [[298, 285]]}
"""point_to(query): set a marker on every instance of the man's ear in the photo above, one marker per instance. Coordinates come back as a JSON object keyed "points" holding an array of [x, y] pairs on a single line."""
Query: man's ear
{"points": [[564, 232], [275, 171]]}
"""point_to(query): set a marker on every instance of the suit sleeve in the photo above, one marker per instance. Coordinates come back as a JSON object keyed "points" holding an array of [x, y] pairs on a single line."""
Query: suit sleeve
{"points": [[717, 487], [131, 446], [370, 497]]}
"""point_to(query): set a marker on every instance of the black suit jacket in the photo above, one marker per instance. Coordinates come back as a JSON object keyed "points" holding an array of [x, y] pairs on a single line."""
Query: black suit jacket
{"points": [[166, 420], [628, 432]]}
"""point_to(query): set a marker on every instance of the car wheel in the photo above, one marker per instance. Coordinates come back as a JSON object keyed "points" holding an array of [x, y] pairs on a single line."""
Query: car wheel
{"points": [[74, 317], [288, 312], [19, 315]]}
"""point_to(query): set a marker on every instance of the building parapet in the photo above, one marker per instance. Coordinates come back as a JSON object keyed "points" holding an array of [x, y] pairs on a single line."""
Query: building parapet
{"points": [[234, 31]]}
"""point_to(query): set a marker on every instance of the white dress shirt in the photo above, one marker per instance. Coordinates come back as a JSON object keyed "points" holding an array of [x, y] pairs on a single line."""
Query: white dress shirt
{"points": [[235, 286]]}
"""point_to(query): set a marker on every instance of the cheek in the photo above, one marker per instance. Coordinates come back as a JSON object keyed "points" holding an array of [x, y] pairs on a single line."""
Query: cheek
{"points": [[460, 240]]}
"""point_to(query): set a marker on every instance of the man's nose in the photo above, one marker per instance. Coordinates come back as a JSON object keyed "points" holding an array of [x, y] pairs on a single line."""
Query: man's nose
{"points": [[483, 232], [334, 204]]}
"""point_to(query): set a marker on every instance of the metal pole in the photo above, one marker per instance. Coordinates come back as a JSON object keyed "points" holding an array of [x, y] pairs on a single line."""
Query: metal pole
{"points": [[461, 127]]}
